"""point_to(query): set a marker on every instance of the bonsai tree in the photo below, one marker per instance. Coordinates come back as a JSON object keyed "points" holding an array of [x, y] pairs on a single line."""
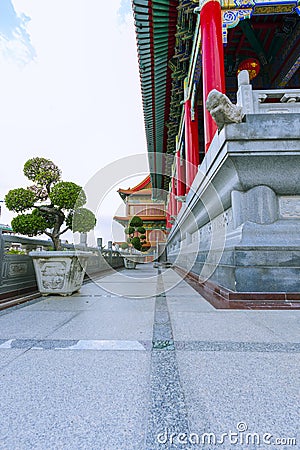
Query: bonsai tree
{"points": [[137, 234], [49, 206], [124, 246]]}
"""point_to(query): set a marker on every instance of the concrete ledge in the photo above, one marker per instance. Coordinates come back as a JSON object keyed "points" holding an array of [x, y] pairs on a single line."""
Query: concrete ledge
{"points": [[17, 300], [240, 225], [223, 298]]}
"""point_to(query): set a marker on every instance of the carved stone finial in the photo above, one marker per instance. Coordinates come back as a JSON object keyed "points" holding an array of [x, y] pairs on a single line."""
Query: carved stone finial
{"points": [[222, 110], [243, 78]]}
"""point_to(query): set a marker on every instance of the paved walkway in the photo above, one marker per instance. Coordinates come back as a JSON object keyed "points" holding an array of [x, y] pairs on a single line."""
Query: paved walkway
{"points": [[99, 371]]}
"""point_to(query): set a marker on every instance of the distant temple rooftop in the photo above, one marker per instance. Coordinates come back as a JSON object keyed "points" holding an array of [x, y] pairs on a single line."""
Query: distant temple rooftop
{"points": [[143, 185], [139, 202]]}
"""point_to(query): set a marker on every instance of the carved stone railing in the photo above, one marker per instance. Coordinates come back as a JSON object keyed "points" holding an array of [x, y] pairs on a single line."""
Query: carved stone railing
{"points": [[17, 275], [272, 101]]}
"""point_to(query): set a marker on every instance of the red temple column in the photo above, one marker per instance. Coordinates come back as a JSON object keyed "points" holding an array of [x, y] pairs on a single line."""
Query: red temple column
{"points": [[171, 206], [168, 223], [180, 170], [168, 213], [168, 217], [173, 197], [191, 142], [213, 73]]}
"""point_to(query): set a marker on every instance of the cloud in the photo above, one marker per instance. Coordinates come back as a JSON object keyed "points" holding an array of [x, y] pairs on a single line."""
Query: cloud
{"points": [[15, 41], [124, 10]]}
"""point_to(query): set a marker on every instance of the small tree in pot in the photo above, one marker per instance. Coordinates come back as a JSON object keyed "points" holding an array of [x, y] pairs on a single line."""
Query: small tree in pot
{"points": [[49, 206], [137, 234], [52, 203]]}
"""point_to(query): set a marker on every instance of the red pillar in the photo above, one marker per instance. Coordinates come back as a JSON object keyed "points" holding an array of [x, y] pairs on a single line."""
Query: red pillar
{"points": [[173, 197], [172, 204], [213, 73], [180, 170], [191, 144], [168, 217]]}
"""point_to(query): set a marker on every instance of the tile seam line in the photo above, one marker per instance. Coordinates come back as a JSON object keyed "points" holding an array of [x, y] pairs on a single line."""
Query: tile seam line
{"points": [[53, 331], [189, 427], [14, 359], [261, 325], [61, 325], [41, 339], [175, 361], [20, 306]]}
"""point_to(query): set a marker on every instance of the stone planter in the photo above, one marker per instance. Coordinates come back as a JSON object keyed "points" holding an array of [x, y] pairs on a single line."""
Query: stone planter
{"points": [[129, 263], [59, 272]]}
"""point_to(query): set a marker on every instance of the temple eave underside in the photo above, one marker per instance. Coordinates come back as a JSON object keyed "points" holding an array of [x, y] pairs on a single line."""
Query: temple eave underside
{"points": [[220, 85]]}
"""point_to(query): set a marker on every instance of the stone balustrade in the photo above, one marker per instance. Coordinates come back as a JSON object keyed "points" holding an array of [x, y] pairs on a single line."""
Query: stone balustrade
{"points": [[240, 225], [280, 101], [17, 275]]}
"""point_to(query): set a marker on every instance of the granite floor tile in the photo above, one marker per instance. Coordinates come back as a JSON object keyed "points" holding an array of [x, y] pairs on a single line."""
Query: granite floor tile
{"points": [[229, 325], [24, 323], [94, 400], [107, 325], [224, 389]]}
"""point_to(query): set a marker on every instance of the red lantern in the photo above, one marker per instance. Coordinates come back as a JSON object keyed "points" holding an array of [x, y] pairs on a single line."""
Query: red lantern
{"points": [[252, 65]]}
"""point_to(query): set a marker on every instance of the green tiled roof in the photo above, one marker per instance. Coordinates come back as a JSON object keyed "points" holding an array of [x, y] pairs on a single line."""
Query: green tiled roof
{"points": [[155, 22], [164, 30]]}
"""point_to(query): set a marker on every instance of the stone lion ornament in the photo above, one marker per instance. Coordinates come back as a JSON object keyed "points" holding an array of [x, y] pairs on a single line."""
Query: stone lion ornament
{"points": [[223, 111]]}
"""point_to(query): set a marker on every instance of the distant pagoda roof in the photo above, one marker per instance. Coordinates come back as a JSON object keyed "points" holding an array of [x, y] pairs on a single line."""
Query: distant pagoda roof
{"points": [[144, 185]]}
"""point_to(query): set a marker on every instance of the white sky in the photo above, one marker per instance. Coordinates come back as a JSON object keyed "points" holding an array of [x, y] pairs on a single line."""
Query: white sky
{"points": [[78, 101]]}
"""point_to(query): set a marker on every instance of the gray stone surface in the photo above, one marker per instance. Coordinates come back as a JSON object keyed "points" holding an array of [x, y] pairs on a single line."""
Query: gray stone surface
{"points": [[194, 303], [86, 400], [74, 303], [71, 344], [123, 373], [230, 346], [107, 325], [258, 389], [32, 324], [284, 325], [258, 205], [167, 404], [221, 326], [250, 170], [6, 357]]}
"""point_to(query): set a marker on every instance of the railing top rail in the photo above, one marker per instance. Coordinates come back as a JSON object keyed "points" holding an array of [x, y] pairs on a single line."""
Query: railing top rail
{"points": [[24, 240], [278, 92]]}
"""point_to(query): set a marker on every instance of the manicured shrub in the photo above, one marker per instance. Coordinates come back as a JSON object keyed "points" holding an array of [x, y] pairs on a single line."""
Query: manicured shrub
{"points": [[136, 234], [51, 204]]}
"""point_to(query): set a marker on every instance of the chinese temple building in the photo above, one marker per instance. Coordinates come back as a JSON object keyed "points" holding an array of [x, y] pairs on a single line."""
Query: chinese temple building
{"points": [[220, 84], [138, 201]]}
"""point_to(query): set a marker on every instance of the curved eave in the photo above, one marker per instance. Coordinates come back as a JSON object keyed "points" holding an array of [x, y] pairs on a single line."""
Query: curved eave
{"points": [[144, 185]]}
